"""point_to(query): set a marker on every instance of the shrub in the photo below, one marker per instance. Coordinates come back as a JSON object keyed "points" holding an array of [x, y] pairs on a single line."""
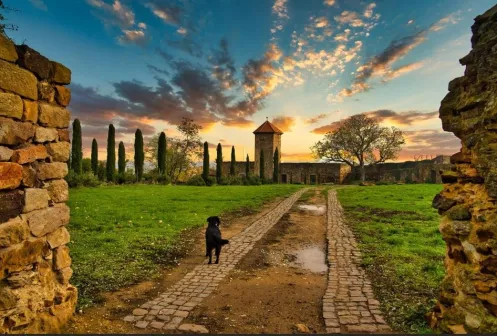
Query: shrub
{"points": [[210, 181], [126, 178], [196, 180], [231, 180], [82, 180], [163, 179], [254, 180]]}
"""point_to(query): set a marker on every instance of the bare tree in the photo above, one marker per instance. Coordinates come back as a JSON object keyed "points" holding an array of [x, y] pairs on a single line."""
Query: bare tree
{"points": [[5, 26], [358, 141]]}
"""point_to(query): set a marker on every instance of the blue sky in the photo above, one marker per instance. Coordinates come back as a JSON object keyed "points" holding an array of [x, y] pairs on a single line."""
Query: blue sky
{"points": [[229, 64]]}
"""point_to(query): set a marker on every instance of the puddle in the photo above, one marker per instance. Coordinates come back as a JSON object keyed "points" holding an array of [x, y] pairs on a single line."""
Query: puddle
{"points": [[311, 258], [316, 209]]}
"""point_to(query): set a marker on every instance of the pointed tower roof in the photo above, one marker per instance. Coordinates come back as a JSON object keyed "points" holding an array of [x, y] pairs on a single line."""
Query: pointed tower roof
{"points": [[267, 127]]}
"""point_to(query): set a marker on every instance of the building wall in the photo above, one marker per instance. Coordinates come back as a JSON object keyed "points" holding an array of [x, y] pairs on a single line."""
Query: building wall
{"points": [[268, 143], [239, 168], [308, 172]]}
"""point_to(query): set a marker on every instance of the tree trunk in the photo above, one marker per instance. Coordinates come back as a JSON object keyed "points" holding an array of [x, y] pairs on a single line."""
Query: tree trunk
{"points": [[363, 173]]}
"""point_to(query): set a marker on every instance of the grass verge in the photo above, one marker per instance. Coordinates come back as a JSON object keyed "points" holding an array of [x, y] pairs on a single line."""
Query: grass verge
{"points": [[121, 235], [397, 230]]}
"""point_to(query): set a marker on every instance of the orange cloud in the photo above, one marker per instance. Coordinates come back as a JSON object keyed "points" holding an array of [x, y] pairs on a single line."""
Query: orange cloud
{"points": [[316, 119], [284, 123]]}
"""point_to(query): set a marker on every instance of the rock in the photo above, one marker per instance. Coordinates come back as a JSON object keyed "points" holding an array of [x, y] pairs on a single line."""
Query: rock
{"points": [[193, 328], [7, 50], [457, 329], [5, 153], [442, 203], [10, 175], [44, 134], [59, 151], [11, 204], [50, 171], [62, 75], [30, 111], [64, 275], [34, 62], [8, 299], [21, 279], [459, 212], [58, 190], [139, 312], [29, 178], [302, 328], [61, 258], [29, 154], [46, 92], [42, 222], [58, 237], [54, 116], [17, 80], [35, 199], [10, 105], [16, 257], [15, 132], [64, 135], [62, 95], [449, 176], [13, 232]]}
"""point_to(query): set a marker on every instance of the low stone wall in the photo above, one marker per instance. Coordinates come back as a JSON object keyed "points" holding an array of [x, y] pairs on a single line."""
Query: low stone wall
{"points": [[35, 266], [468, 203]]}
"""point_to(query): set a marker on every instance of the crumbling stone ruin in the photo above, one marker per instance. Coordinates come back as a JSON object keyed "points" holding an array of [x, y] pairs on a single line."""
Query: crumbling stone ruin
{"points": [[468, 203], [35, 266]]}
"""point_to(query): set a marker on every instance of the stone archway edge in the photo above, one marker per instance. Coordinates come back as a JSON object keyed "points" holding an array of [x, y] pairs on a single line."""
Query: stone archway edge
{"points": [[169, 309], [349, 304]]}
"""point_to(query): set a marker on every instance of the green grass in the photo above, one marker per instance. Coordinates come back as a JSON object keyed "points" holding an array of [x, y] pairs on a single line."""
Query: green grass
{"points": [[402, 249], [123, 234]]}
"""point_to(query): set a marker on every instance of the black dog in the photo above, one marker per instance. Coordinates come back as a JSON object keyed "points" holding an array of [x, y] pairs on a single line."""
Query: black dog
{"points": [[213, 238]]}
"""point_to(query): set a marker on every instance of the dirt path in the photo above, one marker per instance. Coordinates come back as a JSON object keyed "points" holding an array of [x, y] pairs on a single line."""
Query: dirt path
{"points": [[279, 284]]}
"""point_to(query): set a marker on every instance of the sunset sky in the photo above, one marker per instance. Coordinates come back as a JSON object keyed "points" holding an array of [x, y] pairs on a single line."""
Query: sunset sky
{"points": [[229, 64]]}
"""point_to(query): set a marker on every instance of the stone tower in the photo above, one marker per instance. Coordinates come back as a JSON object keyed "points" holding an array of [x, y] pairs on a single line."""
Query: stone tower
{"points": [[267, 139]]}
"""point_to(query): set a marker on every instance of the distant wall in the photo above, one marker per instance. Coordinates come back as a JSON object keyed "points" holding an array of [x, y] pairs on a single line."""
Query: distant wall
{"points": [[35, 266], [311, 172]]}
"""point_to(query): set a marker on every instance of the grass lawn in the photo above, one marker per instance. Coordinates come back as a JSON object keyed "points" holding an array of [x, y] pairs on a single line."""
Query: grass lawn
{"points": [[402, 249], [123, 234]]}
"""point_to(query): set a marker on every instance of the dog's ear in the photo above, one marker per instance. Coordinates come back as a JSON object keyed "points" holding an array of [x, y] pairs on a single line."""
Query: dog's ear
{"points": [[209, 219]]}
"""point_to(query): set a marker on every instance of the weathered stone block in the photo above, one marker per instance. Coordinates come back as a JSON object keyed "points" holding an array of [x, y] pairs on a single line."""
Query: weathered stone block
{"points": [[459, 212], [42, 222], [46, 92], [64, 135], [34, 62], [8, 299], [54, 116], [7, 50], [29, 178], [5, 153], [61, 258], [10, 105], [44, 134], [16, 257], [15, 132], [64, 275], [62, 95], [10, 204], [35, 199], [58, 190], [51, 171], [59, 151], [62, 75], [29, 154], [10, 175], [58, 237], [30, 111], [13, 232], [21, 279], [17, 80]]}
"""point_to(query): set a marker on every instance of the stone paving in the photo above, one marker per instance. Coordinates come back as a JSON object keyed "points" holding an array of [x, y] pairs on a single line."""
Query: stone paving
{"points": [[169, 309], [349, 305]]}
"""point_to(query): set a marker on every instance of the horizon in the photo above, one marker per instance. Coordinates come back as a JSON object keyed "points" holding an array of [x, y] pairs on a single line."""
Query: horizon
{"points": [[304, 65]]}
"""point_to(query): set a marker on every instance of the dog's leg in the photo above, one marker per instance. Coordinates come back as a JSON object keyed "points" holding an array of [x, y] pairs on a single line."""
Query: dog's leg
{"points": [[218, 252], [209, 254]]}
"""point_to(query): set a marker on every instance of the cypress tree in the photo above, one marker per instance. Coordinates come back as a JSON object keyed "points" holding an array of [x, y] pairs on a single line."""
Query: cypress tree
{"points": [[219, 163], [76, 151], [139, 155], [233, 160], [247, 167], [121, 161], [261, 168], [276, 166], [111, 154], [205, 172], [94, 157], [161, 154]]}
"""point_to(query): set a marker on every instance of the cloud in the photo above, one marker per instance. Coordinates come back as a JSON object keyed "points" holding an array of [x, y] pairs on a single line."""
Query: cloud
{"points": [[368, 12], [137, 37], [351, 18], [452, 18], [329, 2], [284, 123], [115, 14], [321, 22], [156, 70], [167, 11], [187, 45], [407, 118], [410, 22], [316, 119], [39, 4], [297, 157], [280, 9], [223, 66], [391, 74], [182, 31], [430, 142]]}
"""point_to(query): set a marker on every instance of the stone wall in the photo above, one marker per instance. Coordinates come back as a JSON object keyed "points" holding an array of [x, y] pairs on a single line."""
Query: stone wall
{"points": [[468, 299], [268, 142], [314, 172], [35, 266]]}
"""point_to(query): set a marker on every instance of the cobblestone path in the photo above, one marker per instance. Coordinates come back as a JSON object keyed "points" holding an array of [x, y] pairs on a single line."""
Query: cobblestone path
{"points": [[349, 305], [169, 309]]}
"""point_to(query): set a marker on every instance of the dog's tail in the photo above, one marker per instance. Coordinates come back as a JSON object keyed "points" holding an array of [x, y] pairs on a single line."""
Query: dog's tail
{"points": [[224, 241]]}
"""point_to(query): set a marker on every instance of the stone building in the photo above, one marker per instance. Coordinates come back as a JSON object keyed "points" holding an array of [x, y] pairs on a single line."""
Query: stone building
{"points": [[268, 139]]}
